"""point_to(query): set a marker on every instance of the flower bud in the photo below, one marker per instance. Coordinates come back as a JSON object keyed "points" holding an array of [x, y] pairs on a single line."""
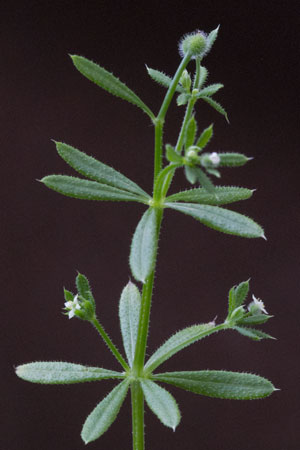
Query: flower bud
{"points": [[185, 80]]}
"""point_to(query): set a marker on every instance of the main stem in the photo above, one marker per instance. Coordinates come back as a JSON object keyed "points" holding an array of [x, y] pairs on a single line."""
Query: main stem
{"points": [[137, 399]]}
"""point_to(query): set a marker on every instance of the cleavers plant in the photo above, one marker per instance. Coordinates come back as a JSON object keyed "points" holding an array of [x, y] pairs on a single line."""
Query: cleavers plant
{"points": [[204, 202]]}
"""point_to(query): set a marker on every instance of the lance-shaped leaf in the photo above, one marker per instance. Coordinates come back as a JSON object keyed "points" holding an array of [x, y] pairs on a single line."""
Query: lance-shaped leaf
{"points": [[221, 219], [203, 77], [182, 99], [162, 403], [257, 319], [191, 131], [179, 341], [205, 181], [57, 372], [142, 247], [129, 313], [253, 333], [233, 159], [210, 90], [162, 78], [216, 106], [96, 170], [84, 288], [105, 413], [237, 295], [205, 137], [212, 37], [109, 82], [220, 384], [222, 196], [172, 155], [88, 190]]}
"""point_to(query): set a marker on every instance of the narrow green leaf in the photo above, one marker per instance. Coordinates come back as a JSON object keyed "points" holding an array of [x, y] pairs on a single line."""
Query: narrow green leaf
{"points": [[104, 414], [210, 90], [212, 37], [220, 219], [205, 181], [109, 82], [190, 174], [213, 172], [88, 190], [162, 78], [96, 170], [224, 195], [205, 137], [258, 319], [191, 130], [253, 333], [216, 106], [220, 384], [69, 296], [231, 301], [161, 403], [172, 155], [142, 247], [232, 159], [179, 341], [57, 372], [203, 77], [182, 99], [241, 292], [84, 288], [129, 313]]}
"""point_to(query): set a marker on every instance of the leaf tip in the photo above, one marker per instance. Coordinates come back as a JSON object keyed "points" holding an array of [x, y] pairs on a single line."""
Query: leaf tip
{"points": [[264, 236]]}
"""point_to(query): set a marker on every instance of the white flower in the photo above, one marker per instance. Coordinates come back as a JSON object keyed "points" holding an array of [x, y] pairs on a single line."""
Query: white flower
{"points": [[72, 306], [258, 305], [214, 158]]}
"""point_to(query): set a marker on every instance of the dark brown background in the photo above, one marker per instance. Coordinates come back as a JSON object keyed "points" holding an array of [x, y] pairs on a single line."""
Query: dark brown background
{"points": [[47, 237]]}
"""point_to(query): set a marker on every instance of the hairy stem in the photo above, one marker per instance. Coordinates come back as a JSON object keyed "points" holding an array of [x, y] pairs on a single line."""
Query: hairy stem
{"points": [[137, 406], [109, 343], [159, 121]]}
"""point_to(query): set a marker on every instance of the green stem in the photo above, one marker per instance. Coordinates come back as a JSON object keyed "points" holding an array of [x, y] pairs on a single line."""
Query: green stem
{"points": [[141, 343], [197, 75], [159, 121], [187, 116], [110, 344], [137, 406]]}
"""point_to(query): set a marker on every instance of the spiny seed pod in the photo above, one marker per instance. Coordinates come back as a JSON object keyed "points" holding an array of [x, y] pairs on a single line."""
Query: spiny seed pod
{"points": [[193, 43], [197, 44]]}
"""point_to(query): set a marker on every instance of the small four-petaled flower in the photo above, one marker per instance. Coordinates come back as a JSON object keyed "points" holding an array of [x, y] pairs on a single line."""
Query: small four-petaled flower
{"points": [[72, 306], [214, 158], [258, 305]]}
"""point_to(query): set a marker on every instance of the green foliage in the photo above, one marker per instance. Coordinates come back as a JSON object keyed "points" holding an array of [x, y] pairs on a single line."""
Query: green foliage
{"points": [[220, 219], [162, 78], [178, 342], [210, 90], [222, 195], [220, 384], [88, 190], [205, 137], [190, 133], [142, 250], [104, 414], [96, 170], [216, 106], [129, 313], [57, 372], [104, 183], [161, 403], [109, 82]]}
